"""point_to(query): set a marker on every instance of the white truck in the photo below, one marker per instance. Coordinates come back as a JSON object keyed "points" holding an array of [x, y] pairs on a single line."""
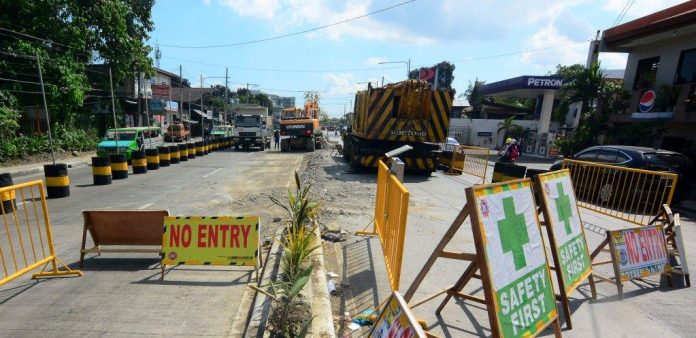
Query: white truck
{"points": [[251, 128]]}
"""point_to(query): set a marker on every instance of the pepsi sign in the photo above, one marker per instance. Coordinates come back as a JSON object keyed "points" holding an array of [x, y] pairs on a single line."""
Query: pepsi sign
{"points": [[647, 101]]}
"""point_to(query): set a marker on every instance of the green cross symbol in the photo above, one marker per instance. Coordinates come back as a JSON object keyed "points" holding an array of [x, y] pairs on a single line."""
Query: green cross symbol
{"points": [[513, 233], [565, 212]]}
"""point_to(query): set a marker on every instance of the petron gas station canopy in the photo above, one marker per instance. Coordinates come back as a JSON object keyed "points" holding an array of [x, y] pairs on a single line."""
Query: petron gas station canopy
{"points": [[529, 86]]}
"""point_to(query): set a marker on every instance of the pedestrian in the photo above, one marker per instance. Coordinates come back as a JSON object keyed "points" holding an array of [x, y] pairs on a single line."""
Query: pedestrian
{"points": [[513, 152], [276, 138]]}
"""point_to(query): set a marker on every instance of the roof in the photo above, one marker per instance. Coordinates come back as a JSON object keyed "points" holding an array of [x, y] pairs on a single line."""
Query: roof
{"points": [[613, 74], [193, 93], [522, 86], [665, 21]]}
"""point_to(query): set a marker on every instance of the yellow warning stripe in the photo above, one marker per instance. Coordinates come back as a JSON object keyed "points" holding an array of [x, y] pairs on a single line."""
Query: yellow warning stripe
{"points": [[199, 149], [139, 162], [174, 155], [123, 166], [153, 159], [63, 181], [164, 157], [101, 171]]}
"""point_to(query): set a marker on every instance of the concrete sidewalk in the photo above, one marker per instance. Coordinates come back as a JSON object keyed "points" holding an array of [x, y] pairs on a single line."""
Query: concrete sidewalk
{"points": [[34, 168]]}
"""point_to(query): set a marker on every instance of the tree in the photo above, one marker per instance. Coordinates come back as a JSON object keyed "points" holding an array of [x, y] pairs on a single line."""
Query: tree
{"points": [[68, 35], [445, 75], [509, 127], [584, 85], [473, 96]]}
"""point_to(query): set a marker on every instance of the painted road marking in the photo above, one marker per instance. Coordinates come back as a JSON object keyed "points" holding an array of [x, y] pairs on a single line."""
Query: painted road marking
{"points": [[212, 173], [145, 206]]}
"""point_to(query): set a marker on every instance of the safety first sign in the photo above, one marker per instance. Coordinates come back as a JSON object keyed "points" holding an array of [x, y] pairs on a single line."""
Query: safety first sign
{"points": [[515, 258], [568, 235], [211, 240]]}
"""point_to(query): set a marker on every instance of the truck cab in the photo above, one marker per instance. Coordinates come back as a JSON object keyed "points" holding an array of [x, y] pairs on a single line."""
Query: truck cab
{"points": [[251, 131]]}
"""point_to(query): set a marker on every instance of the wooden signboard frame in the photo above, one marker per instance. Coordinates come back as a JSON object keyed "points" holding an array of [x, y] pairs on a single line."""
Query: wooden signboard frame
{"points": [[477, 263], [671, 223], [564, 290], [403, 306]]}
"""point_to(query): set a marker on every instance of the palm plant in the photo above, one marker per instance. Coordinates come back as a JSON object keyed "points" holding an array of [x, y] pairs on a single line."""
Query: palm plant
{"points": [[300, 207], [584, 85], [508, 127]]}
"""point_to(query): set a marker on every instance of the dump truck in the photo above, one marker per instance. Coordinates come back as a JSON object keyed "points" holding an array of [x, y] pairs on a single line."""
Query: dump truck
{"points": [[251, 128], [410, 112], [300, 128]]}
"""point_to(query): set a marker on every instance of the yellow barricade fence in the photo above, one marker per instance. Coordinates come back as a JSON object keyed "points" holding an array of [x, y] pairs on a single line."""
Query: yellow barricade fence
{"points": [[26, 239], [632, 195], [470, 160], [391, 211]]}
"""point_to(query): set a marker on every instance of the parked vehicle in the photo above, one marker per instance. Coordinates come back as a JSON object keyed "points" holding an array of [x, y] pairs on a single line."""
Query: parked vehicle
{"points": [[250, 128], [222, 131], [639, 158], [410, 112], [300, 128], [127, 140], [177, 132]]}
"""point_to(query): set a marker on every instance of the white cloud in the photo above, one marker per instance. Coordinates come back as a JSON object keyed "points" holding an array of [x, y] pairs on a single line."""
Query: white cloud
{"points": [[375, 60], [341, 83], [292, 15], [639, 8], [568, 52], [265, 9], [206, 2], [613, 60]]}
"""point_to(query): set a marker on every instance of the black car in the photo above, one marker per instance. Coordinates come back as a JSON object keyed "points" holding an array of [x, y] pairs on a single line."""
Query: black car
{"points": [[641, 158]]}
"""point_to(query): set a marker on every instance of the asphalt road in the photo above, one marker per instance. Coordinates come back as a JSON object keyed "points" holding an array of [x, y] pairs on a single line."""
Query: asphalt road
{"points": [[121, 294]]}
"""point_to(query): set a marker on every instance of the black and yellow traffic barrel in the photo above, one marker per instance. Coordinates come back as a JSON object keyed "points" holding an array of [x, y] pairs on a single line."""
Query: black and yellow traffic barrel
{"points": [[7, 197], [191, 150], [183, 152], [101, 170], [152, 156], [119, 166], [139, 162], [200, 149], [206, 147], [164, 156], [57, 180], [174, 156], [215, 145]]}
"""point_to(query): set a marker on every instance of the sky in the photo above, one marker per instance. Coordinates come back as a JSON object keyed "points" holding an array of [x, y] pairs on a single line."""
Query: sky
{"points": [[489, 40]]}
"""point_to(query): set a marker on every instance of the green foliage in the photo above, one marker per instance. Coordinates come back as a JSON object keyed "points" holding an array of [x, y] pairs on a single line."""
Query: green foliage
{"points": [[298, 248], [63, 139], [8, 116], [301, 208], [290, 317], [666, 97], [472, 94], [445, 72], [509, 127]]}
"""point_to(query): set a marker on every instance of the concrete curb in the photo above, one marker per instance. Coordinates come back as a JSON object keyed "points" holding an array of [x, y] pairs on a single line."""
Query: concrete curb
{"points": [[261, 306], [323, 323], [18, 172]]}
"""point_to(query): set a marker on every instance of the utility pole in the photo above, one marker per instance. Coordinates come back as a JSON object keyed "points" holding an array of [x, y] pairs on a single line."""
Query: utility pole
{"points": [[247, 94], [48, 119], [147, 115], [140, 112], [113, 107], [180, 94], [226, 90], [202, 127]]}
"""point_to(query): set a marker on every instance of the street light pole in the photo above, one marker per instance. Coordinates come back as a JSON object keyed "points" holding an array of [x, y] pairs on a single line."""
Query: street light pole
{"points": [[407, 63], [202, 128]]}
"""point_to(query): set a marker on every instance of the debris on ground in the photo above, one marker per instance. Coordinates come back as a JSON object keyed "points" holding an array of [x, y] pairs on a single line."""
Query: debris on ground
{"points": [[334, 237], [367, 317]]}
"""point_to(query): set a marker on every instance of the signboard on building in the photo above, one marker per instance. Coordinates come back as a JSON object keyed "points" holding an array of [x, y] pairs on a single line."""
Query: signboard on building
{"points": [[542, 82], [429, 75], [163, 91], [211, 240], [515, 258], [639, 252]]}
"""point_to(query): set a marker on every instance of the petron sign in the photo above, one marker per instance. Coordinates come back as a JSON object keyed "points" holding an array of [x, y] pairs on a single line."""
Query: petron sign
{"points": [[542, 82]]}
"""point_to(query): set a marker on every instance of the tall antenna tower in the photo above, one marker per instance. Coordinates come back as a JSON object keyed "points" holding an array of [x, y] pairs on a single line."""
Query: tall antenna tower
{"points": [[158, 55]]}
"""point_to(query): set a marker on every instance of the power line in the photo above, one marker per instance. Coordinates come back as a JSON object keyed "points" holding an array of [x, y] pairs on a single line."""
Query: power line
{"points": [[519, 52], [19, 81], [284, 70], [295, 33], [623, 12]]}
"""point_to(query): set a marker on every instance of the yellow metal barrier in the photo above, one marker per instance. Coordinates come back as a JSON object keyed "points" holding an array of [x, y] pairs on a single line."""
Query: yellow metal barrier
{"points": [[391, 211], [26, 240], [469, 160], [633, 195]]}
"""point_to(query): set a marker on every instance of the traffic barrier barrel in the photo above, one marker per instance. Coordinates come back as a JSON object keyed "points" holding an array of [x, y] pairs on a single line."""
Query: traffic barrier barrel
{"points": [[57, 180], [7, 197], [183, 152], [101, 170], [191, 150], [215, 145], [153, 162], [200, 150], [139, 162], [206, 147], [119, 166], [507, 172], [174, 156], [164, 156]]}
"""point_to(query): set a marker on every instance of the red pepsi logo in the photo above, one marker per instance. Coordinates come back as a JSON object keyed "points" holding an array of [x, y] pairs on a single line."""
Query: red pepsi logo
{"points": [[647, 101]]}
